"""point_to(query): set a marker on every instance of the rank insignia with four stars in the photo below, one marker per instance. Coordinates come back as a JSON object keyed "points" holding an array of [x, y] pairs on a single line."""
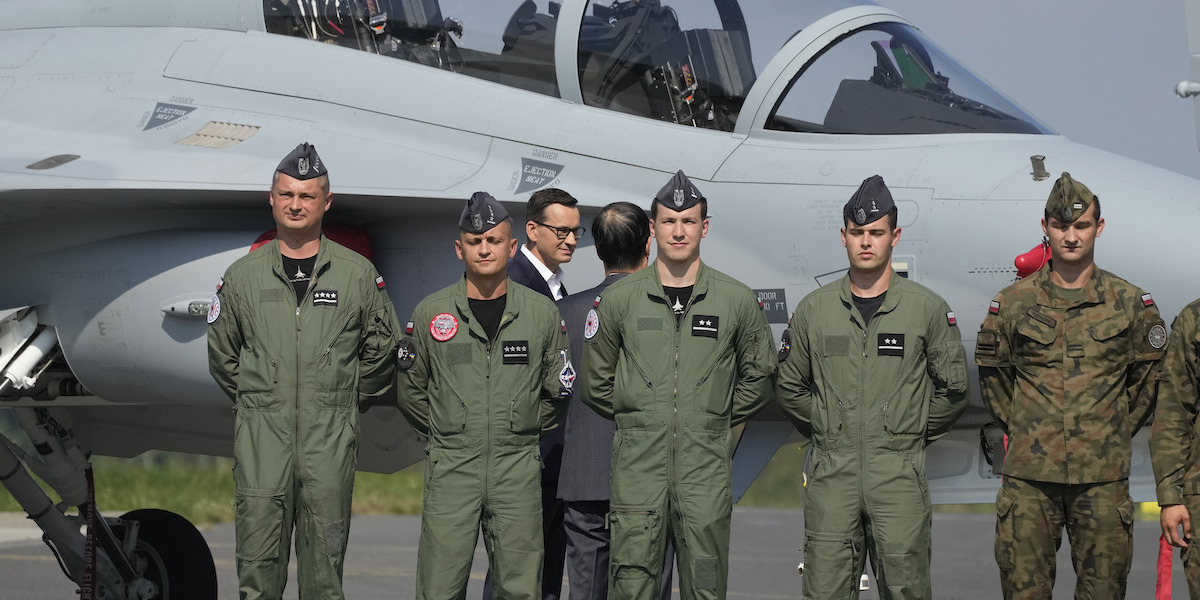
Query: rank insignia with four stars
{"points": [[516, 352]]}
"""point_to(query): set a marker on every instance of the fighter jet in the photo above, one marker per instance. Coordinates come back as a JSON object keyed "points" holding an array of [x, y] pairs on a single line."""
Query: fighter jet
{"points": [[140, 137]]}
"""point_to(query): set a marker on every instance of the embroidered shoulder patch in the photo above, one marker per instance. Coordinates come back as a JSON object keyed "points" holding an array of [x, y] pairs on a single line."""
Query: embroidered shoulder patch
{"points": [[406, 355], [1157, 337], [592, 325], [443, 327], [785, 345], [214, 310]]}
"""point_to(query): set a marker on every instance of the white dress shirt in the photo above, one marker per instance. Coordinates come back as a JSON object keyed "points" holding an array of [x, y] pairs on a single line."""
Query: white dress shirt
{"points": [[553, 278]]}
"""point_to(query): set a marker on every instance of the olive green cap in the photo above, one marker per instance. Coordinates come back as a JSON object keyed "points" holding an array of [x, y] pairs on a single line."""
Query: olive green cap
{"points": [[1069, 199]]}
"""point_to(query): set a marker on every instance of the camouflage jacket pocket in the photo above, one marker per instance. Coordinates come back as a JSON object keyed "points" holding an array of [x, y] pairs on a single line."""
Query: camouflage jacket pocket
{"points": [[1111, 338], [1034, 338]]}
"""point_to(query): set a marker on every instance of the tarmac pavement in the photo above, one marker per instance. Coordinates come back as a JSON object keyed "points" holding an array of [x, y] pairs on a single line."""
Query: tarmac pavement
{"points": [[382, 556]]}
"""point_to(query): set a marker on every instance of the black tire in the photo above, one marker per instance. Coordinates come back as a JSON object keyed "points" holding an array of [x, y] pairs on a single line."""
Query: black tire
{"points": [[171, 552]]}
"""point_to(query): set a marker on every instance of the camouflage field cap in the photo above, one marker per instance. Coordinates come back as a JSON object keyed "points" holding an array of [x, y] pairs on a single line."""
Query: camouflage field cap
{"points": [[302, 163], [482, 213], [871, 202], [1069, 199], [679, 194]]}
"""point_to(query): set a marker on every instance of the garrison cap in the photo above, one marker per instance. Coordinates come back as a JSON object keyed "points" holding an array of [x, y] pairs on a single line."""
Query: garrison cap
{"points": [[481, 214], [303, 163], [679, 194], [1069, 199], [871, 202]]}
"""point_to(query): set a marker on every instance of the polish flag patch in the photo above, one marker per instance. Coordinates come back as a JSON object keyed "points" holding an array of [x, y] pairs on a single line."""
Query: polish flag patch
{"points": [[596, 304], [951, 319], [994, 308], [379, 282], [408, 328], [1147, 300]]}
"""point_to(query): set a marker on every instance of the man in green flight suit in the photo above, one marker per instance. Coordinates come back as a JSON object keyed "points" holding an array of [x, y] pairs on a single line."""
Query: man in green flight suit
{"points": [[681, 354], [872, 369], [1069, 361], [300, 331], [484, 371]]}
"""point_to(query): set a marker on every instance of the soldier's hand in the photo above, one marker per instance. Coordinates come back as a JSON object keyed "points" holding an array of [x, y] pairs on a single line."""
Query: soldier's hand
{"points": [[1171, 518]]}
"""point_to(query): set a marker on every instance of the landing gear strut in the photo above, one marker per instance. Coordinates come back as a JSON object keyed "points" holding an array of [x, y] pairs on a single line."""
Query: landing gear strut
{"points": [[146, 554]]}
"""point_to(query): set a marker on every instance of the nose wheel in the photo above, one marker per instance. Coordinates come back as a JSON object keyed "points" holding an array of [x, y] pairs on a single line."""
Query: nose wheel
{"points": [[171, 554]]}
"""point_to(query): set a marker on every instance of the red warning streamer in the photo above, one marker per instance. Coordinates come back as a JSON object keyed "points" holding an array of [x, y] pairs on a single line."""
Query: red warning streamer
{"points": [[1162, 587]]}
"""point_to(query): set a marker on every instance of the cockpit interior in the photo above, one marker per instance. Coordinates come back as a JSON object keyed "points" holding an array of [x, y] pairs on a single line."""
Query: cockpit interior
{"points": [[692, 64]]}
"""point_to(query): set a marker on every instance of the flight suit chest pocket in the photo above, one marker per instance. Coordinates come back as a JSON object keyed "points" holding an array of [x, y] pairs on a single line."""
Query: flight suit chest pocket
{"points": [[523, 408], [342, 329], [1034, 337]]}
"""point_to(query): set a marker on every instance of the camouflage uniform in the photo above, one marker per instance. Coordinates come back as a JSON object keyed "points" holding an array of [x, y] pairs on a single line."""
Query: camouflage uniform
{"points": [[1174, 440], [1070, 375]]}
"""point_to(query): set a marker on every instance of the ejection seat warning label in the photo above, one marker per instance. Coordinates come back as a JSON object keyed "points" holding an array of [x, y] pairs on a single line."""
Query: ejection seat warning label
{"points": [[774, 304], [536, 174], [166, 113]]}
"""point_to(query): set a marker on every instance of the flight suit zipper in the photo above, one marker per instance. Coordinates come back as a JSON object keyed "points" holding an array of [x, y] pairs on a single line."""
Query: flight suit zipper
{"points": [[297, 439], [862, 401], [487, 463], [296, 381], [674, 428], [675, 385]]}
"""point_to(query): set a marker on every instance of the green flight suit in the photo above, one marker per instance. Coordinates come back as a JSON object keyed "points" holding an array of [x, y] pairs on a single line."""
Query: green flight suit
{"points": [[871, 397], [483, 406], [1175, 436], [296, 374], [1070, 375], [675, 388]]}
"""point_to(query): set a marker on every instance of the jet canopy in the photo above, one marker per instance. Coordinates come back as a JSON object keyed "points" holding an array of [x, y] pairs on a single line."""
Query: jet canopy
{"points": [[692, 63]]}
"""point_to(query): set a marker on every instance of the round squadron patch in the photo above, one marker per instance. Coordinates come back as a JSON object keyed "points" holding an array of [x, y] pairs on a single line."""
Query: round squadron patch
{"points": [[443, 327], [214, 309], [407, 354], [785, 345], [1158, 337], [592, 325]]}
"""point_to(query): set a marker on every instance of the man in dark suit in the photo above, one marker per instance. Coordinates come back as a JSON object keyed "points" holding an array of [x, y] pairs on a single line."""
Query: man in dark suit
{"points": [[552, 232], [622, 234]]}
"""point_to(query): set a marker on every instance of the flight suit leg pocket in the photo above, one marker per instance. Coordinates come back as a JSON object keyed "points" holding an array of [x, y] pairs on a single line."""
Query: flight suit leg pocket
{"points": [[260, 518], [829, 560], [921, 484], [636, 533]]}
